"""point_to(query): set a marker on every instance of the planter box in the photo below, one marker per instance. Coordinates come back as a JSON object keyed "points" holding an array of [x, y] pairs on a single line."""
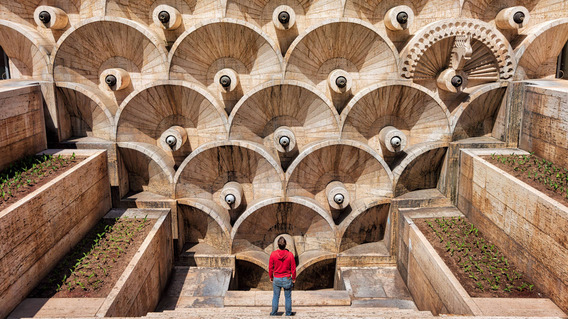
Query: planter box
{"points": [[137, 291], [525, 222], [435, 288], [22, 126], [41, 228]]}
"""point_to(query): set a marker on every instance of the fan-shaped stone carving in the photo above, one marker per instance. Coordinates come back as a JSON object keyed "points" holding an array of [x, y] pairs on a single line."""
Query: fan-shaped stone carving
{"points": [[204, 229], [409, 108], [414, 67], [204, 50], [420, 169], [208, 169], [27, 50], [362, 171], [261, 13], [307, 113], [344, 44], [364, 226], [148, 168], [476, 116], [85, 51], [537, 54], [85, 112], [310, 226], [148, 113]]}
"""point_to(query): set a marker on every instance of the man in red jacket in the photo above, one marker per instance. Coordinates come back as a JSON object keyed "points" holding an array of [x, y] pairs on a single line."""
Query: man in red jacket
{"points": [[282, 272]]}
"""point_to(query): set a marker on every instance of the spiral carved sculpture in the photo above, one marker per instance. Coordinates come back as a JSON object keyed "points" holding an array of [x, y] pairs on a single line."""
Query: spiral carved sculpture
{"points": [[261, 118]]}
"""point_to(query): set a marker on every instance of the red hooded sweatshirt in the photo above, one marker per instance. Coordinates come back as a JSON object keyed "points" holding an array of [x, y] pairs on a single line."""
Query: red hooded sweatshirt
{"points": [[282, 264]]}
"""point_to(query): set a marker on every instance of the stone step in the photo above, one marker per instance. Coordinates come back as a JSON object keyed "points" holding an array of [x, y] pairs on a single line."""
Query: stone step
{"points": [[299, 298], [301, 312]]}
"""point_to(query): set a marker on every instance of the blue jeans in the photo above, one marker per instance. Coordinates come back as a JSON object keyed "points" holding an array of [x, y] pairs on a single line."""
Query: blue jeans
{"points": [[286, 283]]}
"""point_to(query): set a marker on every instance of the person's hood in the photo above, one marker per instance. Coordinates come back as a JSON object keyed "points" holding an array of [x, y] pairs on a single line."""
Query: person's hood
{"points": [[282, 254]]}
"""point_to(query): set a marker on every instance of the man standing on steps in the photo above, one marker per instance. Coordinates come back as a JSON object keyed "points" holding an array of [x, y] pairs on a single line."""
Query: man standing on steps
{"points": [[282, 272]]}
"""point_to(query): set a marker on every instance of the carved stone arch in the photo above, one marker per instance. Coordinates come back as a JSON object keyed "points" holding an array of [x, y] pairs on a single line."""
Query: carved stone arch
{"points": [[84, 112], [309, 225], [490, 39], [204, 51], [420, 169], [148, 169], [150, 111], [365, 225], [478, 115], [100, 44], [535, 62], [408, 107], [357, 170], [276, 105], [205, 173], [27, 50], [205, 228], [356, 48]]}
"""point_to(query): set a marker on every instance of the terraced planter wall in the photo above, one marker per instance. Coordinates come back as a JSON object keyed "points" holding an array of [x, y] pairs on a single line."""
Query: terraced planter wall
{"points": [[22, 128], [545, 122], [434, 287], [38, 230], [528, 224], [137, 291]]}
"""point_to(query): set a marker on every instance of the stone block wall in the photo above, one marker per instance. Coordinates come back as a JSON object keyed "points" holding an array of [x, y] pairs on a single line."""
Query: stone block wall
{"points": [[545, 121], [528, 226], [37, 231], [22, 128]]}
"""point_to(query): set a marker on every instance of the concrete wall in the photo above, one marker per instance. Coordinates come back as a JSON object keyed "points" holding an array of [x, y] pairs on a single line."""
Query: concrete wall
{"points": [[22, 127], [530, 228], [140, 287], [545, 121], [41, 228]]}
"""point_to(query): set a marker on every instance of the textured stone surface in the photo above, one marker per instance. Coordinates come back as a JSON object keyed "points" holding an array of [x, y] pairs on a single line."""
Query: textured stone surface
{"points": [[22, 127]]}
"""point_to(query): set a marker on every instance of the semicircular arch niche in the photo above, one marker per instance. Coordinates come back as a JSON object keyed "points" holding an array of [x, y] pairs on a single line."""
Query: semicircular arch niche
{"points": [[409, 108], [203, 230], [365, 230], [479, 115], [204, 50], [421, 169], [306, 12], [147, 115], [298, 107], [204, 174], [258, 227], [425, 11], [148, 170], [85, 51], [347, 44], [84, 113], [537, 54], [363, 173], [26, 50], [429, 53]]}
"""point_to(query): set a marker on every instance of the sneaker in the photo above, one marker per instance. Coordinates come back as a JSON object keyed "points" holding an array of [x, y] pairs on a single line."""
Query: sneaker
{"points": [[291, 314]]}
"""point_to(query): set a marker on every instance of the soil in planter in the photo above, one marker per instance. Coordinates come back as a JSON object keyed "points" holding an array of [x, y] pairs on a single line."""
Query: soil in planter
{"points": [[479, 265], [535, 171], [29, 174], [94, 266]]}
